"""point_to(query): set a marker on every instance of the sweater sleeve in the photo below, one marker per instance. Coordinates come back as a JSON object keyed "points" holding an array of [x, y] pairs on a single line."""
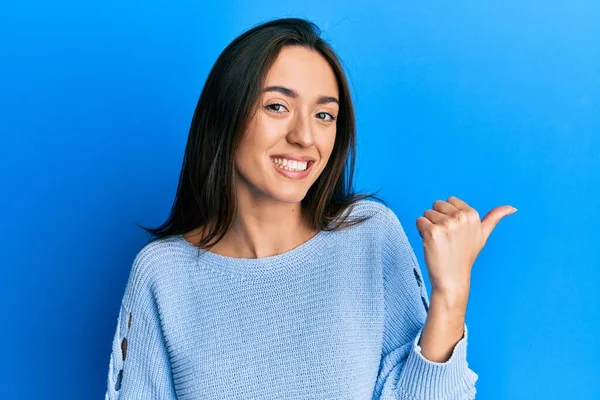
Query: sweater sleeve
{"points": [[404, 373], [139, 366]]}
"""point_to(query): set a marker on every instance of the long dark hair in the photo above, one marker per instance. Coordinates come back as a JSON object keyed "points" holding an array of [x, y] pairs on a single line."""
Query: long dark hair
{"points": [[205, 193]]}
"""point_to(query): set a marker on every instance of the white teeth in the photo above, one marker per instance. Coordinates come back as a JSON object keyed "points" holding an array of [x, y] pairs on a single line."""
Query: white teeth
{"points": [[290, 165]]}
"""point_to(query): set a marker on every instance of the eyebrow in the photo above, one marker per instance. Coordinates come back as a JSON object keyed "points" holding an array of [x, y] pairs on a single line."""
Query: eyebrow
{"points": [[292, 93]]}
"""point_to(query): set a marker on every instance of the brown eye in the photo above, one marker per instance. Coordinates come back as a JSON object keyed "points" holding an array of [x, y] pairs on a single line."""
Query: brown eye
{"points": [[269, 107], [331, 117]]}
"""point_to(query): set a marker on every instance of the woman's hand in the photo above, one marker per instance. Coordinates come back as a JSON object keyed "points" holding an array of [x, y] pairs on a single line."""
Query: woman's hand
{"points": [[453, 236]]}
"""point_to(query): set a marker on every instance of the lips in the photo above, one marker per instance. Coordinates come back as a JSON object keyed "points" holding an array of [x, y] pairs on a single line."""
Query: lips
{"points": [[294, 174], [296, 157]]}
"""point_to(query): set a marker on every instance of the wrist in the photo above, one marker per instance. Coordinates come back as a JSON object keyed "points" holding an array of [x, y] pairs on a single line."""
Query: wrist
{"points": [[449, 300]]}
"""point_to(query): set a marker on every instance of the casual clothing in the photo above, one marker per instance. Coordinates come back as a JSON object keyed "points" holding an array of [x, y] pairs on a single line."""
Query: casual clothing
{"points": [[338, 317]]}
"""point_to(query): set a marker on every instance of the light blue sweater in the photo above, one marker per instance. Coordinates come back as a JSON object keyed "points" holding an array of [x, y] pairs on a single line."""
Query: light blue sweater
{"points": [[338, 317]]}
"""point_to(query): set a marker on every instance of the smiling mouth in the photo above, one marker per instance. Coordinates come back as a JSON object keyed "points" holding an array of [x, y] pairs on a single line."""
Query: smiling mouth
{"points": [[292, 166]]}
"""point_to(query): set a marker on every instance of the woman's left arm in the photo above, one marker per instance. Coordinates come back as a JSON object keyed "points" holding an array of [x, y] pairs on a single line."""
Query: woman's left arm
{"points": [[453, 236], [424, 353]]}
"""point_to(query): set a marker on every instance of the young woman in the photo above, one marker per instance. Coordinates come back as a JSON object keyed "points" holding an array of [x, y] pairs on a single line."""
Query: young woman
{"points": [[271, 279]]}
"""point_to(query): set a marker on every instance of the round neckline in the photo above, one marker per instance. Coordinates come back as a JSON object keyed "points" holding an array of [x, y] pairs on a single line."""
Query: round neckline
{"points": [[261, 265]]}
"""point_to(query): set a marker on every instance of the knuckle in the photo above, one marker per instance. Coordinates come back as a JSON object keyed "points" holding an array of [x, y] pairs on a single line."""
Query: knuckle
{"points": [[473, 214]]}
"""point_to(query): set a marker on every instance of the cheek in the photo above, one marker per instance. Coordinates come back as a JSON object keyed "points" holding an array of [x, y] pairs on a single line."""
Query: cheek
{"points": [[326, 146], [253, 147], [262, 134]]}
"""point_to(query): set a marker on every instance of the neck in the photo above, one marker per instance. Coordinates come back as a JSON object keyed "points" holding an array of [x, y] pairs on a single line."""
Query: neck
{"points": [[262, 230], [263, 227]]}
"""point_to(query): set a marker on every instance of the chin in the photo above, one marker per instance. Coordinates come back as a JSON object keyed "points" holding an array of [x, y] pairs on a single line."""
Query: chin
{"points": [[292, 198], [287, 195]]}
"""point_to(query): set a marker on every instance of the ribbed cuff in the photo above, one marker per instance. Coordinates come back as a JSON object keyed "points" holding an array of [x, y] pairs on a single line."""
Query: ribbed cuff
{"points": [[428, 380]]}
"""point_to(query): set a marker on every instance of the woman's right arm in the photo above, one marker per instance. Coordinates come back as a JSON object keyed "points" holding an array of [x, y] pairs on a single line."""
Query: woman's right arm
{"points": [[139, 365]]}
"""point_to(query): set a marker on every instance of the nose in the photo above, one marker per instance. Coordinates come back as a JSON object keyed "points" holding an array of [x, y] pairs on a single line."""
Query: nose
{"points": [[301, 130]]}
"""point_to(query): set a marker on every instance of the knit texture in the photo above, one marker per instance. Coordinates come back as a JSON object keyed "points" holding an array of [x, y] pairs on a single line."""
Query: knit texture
{"points": [[338, 317]]}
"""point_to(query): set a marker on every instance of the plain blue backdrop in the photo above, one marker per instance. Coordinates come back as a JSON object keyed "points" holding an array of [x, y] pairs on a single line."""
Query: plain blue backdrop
{"points": [[493, 102]]}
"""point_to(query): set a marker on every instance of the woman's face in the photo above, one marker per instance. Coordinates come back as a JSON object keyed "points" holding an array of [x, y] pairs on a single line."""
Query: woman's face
{"points": [[294, 119]]}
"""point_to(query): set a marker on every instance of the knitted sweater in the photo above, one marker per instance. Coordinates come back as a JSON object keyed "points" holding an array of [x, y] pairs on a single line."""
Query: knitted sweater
{"points": [[337, 317]]}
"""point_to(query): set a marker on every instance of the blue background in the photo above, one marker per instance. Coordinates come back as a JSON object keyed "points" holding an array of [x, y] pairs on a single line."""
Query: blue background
{"points": [[495, 103]]}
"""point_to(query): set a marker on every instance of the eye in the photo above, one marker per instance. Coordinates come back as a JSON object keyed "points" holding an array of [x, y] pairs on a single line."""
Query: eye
{"points": [[331, 117], [274, 105]]}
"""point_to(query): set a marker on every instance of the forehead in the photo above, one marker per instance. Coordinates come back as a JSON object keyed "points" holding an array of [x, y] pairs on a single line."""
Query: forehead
{"points": [[303, 70]]}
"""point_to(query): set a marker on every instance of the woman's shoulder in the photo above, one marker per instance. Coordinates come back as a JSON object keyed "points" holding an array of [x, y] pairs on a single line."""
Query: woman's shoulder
{"points": [[384, 221], [154, 260], [155, 252], [369, 206], [377, 221], [381, 214]]}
